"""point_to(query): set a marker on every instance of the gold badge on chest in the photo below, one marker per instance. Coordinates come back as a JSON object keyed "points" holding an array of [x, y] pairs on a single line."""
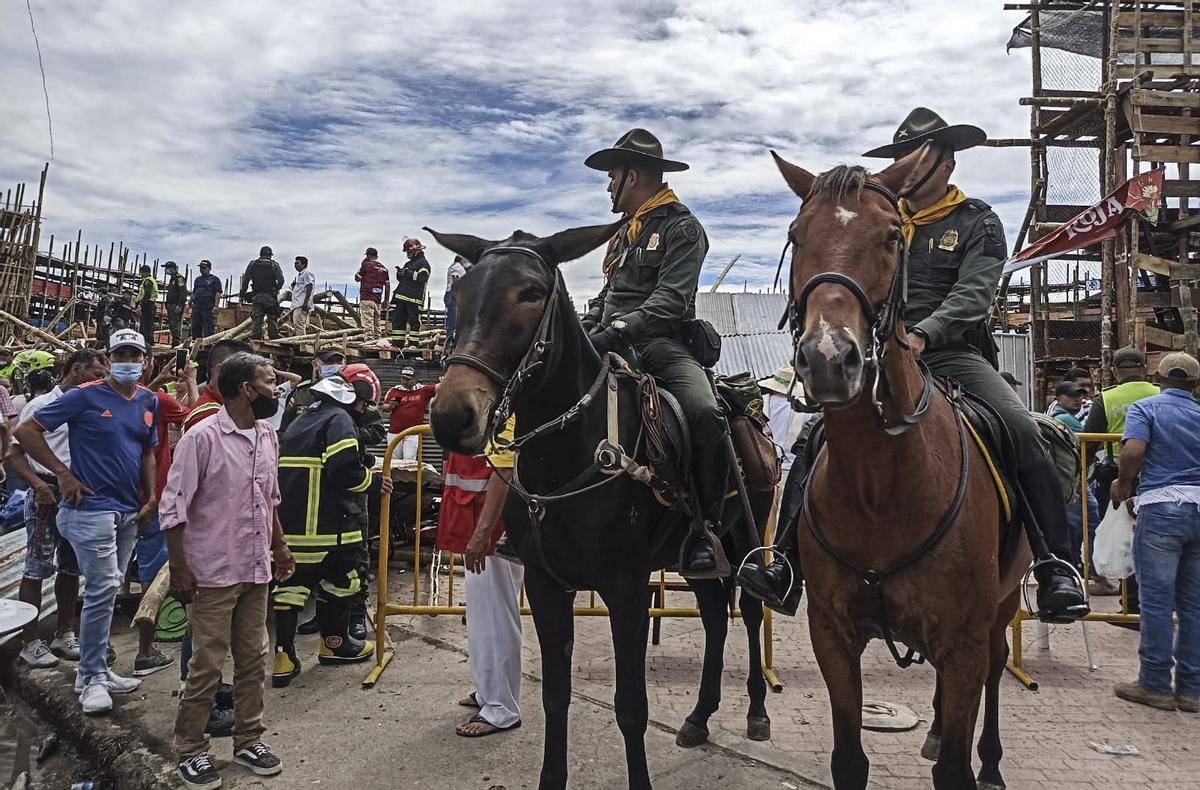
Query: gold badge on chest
{"points": [[949, 241], [652, 244]]}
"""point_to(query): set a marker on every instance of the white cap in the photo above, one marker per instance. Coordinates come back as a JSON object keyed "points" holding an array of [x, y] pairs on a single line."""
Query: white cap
{"points": [[337, 388], [408, 371], [126, 337]]}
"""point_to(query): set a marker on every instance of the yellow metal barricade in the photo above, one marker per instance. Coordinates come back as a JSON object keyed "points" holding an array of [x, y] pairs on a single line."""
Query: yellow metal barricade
{"points": [[1015, 662], [383, 650]]}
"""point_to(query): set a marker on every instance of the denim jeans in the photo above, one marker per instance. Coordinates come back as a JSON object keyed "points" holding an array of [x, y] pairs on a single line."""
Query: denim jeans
{"points": [[1166, 551], [1075, 522], [103, 542], [451, 314]]}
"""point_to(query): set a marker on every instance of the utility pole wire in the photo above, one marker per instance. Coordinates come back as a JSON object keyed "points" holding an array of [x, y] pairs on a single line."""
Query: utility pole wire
{"points": [[42, 68]]}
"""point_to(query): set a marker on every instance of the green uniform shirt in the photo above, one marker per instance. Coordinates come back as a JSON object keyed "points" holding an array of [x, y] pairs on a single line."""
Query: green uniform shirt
{"points": [[954, 266], [653, 289]]}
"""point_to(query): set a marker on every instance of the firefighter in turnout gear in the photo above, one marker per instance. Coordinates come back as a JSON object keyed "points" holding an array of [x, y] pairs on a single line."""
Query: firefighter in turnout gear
{"points": [[409, 296], [322, 479]]}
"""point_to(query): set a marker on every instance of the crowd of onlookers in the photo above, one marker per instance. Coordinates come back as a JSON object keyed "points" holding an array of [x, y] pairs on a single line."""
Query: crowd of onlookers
{"points": [[248, 488], [1154, 471]]}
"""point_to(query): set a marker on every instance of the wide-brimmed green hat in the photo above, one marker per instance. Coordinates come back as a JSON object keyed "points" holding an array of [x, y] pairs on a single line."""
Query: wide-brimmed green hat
{"points": [[922, 125], [637, 148]]}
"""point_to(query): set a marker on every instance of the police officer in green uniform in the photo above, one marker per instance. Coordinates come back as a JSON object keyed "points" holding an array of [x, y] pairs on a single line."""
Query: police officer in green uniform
{"points": [[956, 256], [653, 269]]}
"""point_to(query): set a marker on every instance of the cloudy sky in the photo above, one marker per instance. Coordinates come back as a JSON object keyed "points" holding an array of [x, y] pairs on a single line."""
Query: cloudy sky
{"points": [[204, 130]]}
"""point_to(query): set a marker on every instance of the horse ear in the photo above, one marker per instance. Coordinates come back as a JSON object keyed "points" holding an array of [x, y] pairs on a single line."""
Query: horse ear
{"points": [[799, 179], [901, 175], [470, 247], [577, 242]]}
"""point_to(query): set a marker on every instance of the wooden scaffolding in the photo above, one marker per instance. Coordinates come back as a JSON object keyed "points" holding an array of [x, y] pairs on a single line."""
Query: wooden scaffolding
{"points": [[1142, 112]]}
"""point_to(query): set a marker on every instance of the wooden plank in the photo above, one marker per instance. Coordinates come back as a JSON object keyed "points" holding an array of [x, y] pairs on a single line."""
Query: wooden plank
{"points": [[1147, 123], [1148, 98], [1163, 338], [1179, 188], [1186, 223], [1150, 18], [1167, 153], [1152, 263], [1159, 70], [1185, 271], [1167, 46]]}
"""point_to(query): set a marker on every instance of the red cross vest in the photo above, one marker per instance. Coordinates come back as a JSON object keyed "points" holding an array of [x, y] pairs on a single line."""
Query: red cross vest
{"points": [[462, 502]]}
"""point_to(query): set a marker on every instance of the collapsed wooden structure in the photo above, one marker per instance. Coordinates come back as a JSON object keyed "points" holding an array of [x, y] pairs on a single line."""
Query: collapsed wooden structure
{"points": [[1115, 92], [49, 297]]}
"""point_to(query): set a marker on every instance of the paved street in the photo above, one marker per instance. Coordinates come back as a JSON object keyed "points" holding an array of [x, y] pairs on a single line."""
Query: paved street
{"points": [[332, 733], [1047, 734]]}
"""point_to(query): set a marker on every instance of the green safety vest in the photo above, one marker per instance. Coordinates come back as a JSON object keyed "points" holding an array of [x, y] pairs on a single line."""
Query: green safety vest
{"points": [[1116, 403]]}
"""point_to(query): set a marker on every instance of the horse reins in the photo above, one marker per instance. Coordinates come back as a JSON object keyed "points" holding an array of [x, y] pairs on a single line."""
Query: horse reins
{"points": [[884, 324], [610, 460]]}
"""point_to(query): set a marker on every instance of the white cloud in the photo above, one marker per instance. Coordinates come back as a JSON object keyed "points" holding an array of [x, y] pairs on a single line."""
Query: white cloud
{"points": [[204, 131]]}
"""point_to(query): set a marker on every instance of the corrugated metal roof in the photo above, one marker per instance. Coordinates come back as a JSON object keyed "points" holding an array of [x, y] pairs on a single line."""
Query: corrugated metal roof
{"points": [[718, 310], [761, 354], [758, 313], [747, 325]]}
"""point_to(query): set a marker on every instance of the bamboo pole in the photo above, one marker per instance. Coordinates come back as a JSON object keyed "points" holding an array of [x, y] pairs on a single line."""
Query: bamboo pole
{"points": [[33, 330]]}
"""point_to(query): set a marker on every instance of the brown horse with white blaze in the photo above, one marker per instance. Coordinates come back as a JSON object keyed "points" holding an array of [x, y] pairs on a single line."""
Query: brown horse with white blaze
{"points": [[899, 536]]}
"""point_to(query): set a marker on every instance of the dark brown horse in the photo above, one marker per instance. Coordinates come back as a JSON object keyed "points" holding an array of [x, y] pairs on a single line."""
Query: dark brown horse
{"points": [[521, 347], [900, 532]]}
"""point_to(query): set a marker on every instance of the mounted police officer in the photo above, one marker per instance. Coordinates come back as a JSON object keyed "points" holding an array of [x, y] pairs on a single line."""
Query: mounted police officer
{"points": [[956, 255], [260, 286], [652, 269]]}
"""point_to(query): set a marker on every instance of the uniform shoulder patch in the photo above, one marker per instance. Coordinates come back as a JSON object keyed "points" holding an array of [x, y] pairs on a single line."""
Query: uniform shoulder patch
{"points": [[689, 228], [994, 243]]}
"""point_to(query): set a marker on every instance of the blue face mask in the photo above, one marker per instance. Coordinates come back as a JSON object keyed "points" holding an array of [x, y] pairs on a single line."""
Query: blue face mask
{"points": [[126, 373], [330, 370]]}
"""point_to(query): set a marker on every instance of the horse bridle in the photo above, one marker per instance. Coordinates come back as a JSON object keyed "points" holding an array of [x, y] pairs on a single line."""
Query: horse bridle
{"points": [[883, 324], [534, 357]]}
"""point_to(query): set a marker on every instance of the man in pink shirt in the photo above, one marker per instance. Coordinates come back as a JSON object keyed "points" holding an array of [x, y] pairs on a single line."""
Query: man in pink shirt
{"points": [[218, 514]]}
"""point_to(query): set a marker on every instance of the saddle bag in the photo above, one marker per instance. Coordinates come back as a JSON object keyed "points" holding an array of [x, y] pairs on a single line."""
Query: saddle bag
{"points": [[752, 439], [756, 450], [702, 340]]}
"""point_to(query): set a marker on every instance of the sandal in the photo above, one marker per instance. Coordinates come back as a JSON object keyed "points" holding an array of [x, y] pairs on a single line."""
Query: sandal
{"points": [[470, 701], [477, 719]]}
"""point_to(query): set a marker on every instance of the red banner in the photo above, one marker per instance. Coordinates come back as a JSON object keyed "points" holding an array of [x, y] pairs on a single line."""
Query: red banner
{"points": [[1141, 194]]}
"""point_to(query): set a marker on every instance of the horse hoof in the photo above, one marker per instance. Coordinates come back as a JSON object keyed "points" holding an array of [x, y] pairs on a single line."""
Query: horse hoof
{"points": [[932, 747], [758, 728], [690, 735]]}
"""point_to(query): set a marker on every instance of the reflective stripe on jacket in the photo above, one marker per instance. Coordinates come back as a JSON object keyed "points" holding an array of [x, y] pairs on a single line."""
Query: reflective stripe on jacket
{"points": [[321, 478]]}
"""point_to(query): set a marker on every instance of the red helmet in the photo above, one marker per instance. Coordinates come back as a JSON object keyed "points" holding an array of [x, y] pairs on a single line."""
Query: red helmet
{"points": [[413, 245], [364, 381]]}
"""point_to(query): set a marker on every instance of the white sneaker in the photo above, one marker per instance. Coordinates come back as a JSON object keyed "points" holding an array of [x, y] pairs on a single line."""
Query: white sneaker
{"points": [[95, 697], [37, 654], [115, 683], [66, 646]]}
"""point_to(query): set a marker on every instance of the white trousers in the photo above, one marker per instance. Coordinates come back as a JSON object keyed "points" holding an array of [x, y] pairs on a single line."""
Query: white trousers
{"points": [[407, 449], [494, 639]]}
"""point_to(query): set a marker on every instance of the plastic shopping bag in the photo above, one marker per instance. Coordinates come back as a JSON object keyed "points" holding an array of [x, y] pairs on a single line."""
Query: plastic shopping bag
{"points": [[1113, 552]]}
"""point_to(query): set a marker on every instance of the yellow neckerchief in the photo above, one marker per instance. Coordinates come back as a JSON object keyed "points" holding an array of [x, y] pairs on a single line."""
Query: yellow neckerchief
{"points": [[662, 197], [928, 216]]}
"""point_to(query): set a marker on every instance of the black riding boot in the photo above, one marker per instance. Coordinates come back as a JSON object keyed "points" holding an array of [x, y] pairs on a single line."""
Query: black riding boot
{"points": [[286, 666], [780, 585], [1060, 596], [701, 555]]}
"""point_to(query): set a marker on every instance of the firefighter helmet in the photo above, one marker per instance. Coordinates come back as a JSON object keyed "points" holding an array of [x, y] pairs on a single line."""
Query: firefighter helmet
{"points": [[413, 245], [364, 381]]}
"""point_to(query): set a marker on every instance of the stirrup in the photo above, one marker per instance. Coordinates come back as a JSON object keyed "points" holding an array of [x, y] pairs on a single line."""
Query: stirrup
{"points": [[721, 568], [1074, 572], [781, 555]]}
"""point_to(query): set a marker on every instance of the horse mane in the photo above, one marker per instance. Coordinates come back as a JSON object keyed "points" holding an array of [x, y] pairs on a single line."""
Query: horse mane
{"points": [[839, 181]]}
